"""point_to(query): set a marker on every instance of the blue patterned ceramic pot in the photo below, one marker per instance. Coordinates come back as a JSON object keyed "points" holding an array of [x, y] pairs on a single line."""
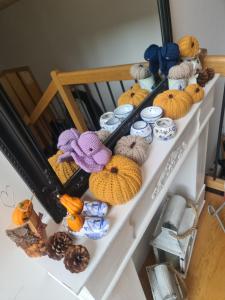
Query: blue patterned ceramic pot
{"points": [[165, 129], [143, 129]]}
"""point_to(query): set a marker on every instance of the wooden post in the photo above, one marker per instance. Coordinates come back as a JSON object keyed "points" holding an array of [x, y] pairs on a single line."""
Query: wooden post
{"points": [[70, 103]]}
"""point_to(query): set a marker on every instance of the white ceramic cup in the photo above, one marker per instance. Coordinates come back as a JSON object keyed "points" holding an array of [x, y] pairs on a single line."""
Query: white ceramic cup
{"points": [[143, 129], [112, 124], [123, 111], [105, 117], [151, 114], [177, 84], [147, 83], [165, 129]]}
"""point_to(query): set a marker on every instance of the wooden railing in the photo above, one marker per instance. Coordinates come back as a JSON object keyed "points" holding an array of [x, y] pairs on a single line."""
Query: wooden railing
{"points": [[61, 82]]}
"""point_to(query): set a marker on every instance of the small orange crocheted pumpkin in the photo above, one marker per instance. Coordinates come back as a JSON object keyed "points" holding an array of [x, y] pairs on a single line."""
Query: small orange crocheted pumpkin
{"points": [[22, 212], [188, 46], [73, 205], [174, 103], [75, 222], [118, 182], [195, 91], [133, 96]]}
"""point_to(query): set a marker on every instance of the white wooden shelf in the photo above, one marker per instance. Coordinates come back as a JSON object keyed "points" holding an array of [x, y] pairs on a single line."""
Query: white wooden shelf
{"points": [[110, 255]]}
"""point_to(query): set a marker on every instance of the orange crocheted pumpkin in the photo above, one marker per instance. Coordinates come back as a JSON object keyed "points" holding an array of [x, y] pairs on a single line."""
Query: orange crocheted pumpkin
{"points": [[73, 205], [188, 46], [75, 222], [133, 96], [174, 103], [118, 182], [195, 91], [22, 212]]}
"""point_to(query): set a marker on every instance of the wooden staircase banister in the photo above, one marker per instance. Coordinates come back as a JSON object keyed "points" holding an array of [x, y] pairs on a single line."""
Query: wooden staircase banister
{"points": [[217, 62], [103, 74], [43, 103], [113, 73]]}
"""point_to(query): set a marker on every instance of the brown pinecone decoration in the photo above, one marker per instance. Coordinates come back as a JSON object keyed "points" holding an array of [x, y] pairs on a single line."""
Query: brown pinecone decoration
{"points": [[203, 78], [76, 258], [210, 72], [57, 245]]}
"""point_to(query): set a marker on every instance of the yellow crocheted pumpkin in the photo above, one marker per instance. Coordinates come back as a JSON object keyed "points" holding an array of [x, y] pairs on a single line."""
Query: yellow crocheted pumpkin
{"points": [[188, 46], [135, 86], [118, 182], [133, 96], [63, 170], [174, 103], [195, 91]]}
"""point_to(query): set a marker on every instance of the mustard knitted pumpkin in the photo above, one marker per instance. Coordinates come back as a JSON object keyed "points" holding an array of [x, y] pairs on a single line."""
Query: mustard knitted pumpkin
{"points": [[63, 170], [133, 96], [188, 46], [195, 91], [174, 103], [118, 182], [133, 147]]}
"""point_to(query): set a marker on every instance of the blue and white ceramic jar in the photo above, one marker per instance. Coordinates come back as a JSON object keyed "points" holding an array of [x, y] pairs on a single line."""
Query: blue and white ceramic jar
{"points": [[165, 129], [143, 129]]}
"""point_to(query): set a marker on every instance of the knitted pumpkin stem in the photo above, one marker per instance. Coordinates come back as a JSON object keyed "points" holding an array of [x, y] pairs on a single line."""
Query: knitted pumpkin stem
{"points": [[132, 145], [170, 96], [114, 170], [192, 44], [197, 90], [132, 94]]}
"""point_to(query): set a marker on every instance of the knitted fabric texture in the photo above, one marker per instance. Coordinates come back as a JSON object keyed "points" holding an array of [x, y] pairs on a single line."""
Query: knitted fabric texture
{"points": [[151, 55], [103, 134], [118, 182], [139, 71], [162, 58], [169, 56], [133, 147], [188, 46], [63, 170], [88, 152], [182, 71], [65, 139]]}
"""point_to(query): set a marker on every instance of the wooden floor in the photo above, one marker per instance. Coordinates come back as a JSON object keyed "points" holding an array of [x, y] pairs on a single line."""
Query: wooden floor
{"points": [[206, 275]]}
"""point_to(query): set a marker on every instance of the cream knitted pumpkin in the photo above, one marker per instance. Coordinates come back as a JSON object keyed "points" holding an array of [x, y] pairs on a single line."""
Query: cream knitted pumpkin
{"points": [[133, 147], [139, 71]]}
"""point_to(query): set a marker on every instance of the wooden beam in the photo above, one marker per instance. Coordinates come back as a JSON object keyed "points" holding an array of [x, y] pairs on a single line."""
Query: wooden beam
{"points": [[217, 62], [70, 103], [114, 73], [217, 184], [43, 102]]}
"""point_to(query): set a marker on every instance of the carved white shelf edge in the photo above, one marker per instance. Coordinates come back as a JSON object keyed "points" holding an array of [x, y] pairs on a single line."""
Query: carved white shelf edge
{"points": [[111, 255]]}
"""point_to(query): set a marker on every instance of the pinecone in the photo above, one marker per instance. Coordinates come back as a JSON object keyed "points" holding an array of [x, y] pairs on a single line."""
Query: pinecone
{"points": [[210, 72], [57, 245], [203, 78], [76, 258]]}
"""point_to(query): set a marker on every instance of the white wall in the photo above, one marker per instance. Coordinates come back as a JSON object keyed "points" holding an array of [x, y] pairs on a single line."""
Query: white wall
{"points": [[204, 19], [21, 277], [73, 34]]}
